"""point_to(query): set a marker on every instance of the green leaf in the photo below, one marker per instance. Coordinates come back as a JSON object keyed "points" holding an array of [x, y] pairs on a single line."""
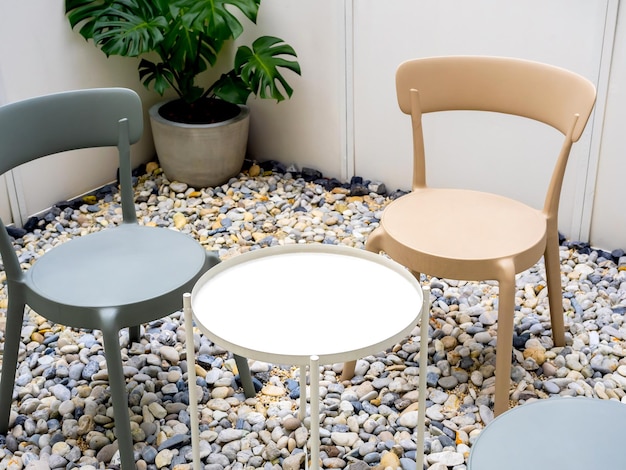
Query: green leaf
{"points": [[259, 67], [155, 75], [214, 19], [124, 33], [182, 47], [86, 12], [230, 87]]}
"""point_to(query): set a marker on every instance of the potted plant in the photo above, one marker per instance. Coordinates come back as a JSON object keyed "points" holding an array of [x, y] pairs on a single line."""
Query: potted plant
{"points": [[179, 42]]}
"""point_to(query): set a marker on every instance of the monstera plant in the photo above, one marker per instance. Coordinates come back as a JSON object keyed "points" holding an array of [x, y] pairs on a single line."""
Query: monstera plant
{"points": [[179, 43]]}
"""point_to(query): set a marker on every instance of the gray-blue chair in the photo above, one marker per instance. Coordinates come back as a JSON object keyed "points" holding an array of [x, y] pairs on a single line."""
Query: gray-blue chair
{"points": [[108, 280]]}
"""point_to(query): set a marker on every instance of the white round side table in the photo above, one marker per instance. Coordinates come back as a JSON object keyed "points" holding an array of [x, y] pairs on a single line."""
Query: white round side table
{"points": [[306, 305]]}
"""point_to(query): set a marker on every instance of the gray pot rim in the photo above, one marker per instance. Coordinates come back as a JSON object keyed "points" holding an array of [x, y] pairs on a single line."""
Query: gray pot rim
{"points": [[244, 111]]}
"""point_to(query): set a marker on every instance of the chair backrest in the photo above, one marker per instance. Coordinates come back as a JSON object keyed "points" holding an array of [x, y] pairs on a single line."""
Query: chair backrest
{"points": [[549, 94], [49, 124]]}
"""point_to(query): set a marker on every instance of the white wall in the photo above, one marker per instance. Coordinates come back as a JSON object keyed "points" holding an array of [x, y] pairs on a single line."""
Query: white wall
{"points": [[307, 129], [608, 223], [40, 54], [343, 119]]}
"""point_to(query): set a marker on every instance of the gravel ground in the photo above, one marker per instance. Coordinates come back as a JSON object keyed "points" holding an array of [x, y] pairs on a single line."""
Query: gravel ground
{"points": [[62, 418]]}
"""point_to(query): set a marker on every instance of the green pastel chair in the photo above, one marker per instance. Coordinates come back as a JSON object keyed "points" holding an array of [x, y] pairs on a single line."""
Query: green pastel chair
{"points": [[116, 278], [560, 433]]}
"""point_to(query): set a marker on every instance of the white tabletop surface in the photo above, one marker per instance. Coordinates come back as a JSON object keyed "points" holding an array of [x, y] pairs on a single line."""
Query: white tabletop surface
{"points": [[284, 304]]}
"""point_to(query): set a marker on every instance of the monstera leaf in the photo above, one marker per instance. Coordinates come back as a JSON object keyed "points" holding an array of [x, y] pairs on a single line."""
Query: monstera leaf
{"points": [[258, 67], [257, 71]]}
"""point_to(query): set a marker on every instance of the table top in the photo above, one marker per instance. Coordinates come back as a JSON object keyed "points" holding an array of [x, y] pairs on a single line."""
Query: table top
{"points": [[284, 304], [556, 433]]}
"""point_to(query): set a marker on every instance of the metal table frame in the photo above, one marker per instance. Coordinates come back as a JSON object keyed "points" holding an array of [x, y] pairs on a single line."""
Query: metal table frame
{"points": [[340, 263]]}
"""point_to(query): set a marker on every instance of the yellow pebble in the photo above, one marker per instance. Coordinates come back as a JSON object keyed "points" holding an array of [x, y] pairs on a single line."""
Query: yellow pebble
{"points": [[258, 236], [151, 166], [200, 372], [91, 199], [389, 460], [161, 437], [255, 170], [179, 220], [208, 211], [37, 337], [341, 207], [273, 391]]}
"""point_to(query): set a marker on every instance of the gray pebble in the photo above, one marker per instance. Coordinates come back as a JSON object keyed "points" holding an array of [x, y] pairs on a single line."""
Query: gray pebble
{"points": [[448, 383]]}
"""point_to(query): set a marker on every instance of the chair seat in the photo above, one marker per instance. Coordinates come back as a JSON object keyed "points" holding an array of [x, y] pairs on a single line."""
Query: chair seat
{"points": [[116, 268], [553, 434], [465, 229]]}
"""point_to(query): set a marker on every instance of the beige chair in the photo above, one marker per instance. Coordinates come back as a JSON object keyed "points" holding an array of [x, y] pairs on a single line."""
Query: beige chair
{"points": [[517, 235]]}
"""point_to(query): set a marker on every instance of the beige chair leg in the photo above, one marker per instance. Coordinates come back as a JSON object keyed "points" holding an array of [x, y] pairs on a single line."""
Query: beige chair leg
{"points": [[348, 370], [374, 245], [348, 367], [504, 349], [555, 289]]}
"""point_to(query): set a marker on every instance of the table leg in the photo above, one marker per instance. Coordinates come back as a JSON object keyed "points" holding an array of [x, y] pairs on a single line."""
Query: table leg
{"points": [[314, 375], [191, 382], [302, 411], [423, 365]]}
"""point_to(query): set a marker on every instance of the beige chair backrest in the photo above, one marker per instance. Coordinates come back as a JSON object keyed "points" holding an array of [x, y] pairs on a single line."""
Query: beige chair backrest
{"points": [[519, 87]]}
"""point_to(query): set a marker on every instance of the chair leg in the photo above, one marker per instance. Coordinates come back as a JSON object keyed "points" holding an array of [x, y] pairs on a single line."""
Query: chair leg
{"points": [[15, 317], [245, 376], [134, 333], [348, 367], [117, 384], [555, 290], [374, 245], [504, 348], [348, 370]]}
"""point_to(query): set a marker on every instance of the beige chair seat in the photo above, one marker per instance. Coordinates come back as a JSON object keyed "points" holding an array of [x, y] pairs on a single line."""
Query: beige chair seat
{"points": [[493, 227]]}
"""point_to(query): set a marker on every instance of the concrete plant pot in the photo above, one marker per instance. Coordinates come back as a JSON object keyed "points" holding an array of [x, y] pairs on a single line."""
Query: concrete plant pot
{"points": [[201, 155]]}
